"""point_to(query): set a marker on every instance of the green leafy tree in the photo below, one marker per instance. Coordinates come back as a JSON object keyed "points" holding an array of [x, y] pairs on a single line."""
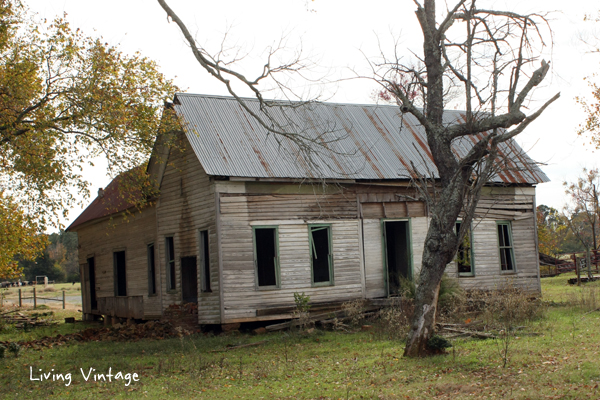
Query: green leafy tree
{"points": [[552, 230], [65, 99], [62, 249], [43, 265], [584, 208], [572, 242]]}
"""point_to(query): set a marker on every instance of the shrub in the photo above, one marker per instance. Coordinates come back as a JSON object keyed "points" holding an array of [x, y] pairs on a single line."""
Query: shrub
{"points": [[438, 344]]}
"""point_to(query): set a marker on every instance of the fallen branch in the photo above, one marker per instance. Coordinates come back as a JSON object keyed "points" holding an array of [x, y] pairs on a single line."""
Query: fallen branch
{"points": [[239, 347], [589, 312], [480, 335]]}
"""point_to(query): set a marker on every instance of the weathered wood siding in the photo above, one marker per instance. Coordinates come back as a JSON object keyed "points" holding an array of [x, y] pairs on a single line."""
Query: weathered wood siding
{"points": [[374, 261], [129, 306], [517, 208], [419, 228], [291, 213], [100, 239], [187, 206]]}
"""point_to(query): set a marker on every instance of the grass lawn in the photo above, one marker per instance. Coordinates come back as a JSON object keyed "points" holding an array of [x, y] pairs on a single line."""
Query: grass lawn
{"points": [[554, 357]]}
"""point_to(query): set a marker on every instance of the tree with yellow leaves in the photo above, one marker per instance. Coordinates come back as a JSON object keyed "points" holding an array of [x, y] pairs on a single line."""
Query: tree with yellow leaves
{"points": [[552, 229], [65, 99]]}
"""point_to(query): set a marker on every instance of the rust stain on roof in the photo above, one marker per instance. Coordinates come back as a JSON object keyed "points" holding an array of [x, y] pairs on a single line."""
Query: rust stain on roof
{"points": [[257, 151], [385, 135], [371, 150], [360, 146], [423, 145]]}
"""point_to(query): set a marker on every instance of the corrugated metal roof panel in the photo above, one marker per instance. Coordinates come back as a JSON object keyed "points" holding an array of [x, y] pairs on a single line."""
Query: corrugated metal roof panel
{"points": [[362, 142]]}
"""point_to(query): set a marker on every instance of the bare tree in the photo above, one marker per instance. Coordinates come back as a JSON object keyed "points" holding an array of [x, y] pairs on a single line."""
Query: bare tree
{"points": [[279, 118], [485, 56]]}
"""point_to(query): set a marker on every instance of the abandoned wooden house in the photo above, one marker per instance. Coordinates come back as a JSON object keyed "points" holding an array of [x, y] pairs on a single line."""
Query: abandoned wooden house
{"points": [[243, 222]]}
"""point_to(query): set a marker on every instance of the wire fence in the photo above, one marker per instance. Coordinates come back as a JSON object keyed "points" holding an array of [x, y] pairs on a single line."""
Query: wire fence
{"points": [[35, 298], [580, 263]]}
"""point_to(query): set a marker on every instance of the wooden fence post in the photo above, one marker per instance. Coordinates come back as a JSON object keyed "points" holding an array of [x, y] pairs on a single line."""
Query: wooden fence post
{"points": [[20, 299], [63, 299], [578, 272], [588, 261], [34, 299]]}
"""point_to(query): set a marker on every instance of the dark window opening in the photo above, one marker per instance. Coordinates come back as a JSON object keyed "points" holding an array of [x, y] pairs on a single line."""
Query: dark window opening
{"points": [[321, 254], [189, 280], [151, 270], [507, 261], [170, 254], [205, 261], [91, 272], [397, 253], [265, 242], [120, 273], [464, 254]]}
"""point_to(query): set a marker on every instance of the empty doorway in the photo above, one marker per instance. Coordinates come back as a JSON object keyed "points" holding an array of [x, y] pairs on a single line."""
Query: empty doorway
{"points": [[189, 280], [397, 254], [91, 280]]}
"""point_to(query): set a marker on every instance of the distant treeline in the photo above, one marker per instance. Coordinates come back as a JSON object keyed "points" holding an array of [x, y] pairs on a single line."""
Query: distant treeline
{"points": [[58, 261]]}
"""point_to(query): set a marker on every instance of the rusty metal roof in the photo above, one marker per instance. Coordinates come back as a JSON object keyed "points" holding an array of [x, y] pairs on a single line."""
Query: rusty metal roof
{"points": [[361, 142]]}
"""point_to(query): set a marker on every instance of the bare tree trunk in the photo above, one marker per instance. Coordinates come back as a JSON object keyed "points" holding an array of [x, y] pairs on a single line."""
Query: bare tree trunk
{"points": [[426, 297], [440, 248]]}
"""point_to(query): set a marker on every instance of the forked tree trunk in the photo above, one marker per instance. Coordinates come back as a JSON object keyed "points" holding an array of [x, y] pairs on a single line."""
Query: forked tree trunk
{"points": [[440, 248]]}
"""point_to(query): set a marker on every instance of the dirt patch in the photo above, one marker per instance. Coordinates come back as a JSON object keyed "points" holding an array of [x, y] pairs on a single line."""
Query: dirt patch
{"points": [[149, 330]]}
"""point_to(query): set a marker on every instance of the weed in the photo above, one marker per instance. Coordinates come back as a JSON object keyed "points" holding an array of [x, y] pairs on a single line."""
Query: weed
{"points": [[394, 320], [451, 297], [408, 288], [14, 348], [302, 302], [506, 309], [354, 311], [302, 309]]}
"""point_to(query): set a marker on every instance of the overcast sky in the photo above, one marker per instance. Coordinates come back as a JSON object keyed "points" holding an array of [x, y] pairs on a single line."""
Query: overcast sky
{"points": [[339, 36]]}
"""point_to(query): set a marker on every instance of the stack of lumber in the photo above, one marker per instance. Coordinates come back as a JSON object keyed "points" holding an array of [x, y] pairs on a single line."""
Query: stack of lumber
{"points": [[22, 321]]}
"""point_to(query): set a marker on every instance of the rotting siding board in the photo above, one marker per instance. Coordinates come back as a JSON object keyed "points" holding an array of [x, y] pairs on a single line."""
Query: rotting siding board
{"points": [[186, 207]]}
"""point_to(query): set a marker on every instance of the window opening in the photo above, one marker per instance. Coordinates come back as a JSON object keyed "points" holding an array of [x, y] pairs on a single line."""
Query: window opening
{"points": [[170, 254], [205, 261], [120, 273], [151, 270], [464, 254], [265, 256], [505, 244], [320, 238]]}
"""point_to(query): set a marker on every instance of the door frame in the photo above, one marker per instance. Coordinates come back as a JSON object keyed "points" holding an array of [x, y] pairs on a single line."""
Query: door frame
{"points": [[195, 258], [384, 250]]}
